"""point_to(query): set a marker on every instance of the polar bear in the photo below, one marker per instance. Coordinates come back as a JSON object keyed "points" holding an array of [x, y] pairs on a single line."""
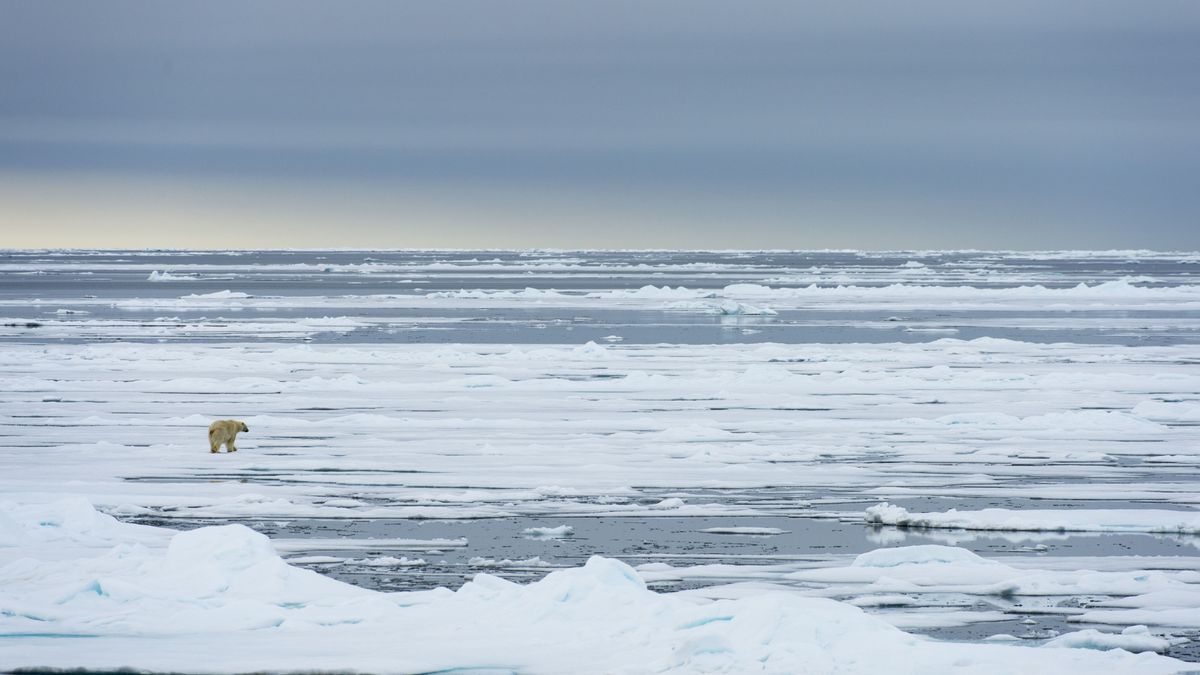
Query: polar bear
{"points": [[224, 432]]}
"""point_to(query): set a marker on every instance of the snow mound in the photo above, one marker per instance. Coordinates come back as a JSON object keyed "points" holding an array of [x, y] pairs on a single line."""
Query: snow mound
{"points": [[230, 548], [918, 555], [67, 522]]}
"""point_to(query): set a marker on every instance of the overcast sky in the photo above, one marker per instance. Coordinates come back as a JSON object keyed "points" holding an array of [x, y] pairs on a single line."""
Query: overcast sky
{"points": [[485, 123]]}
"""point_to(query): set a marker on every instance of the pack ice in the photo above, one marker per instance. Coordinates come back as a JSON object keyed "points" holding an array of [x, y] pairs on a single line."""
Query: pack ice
{"points": [[807, 462], [219, 599]]}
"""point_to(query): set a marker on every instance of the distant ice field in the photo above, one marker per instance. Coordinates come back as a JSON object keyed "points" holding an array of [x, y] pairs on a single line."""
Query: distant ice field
{"points": [[556, 297], [967, 445]]}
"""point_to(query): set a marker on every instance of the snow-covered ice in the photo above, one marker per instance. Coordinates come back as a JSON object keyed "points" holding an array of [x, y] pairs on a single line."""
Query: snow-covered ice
{"points": [[1040, 520], [856, 445], [549, 532], [744, 530], [163, 605], [1132, 639]]}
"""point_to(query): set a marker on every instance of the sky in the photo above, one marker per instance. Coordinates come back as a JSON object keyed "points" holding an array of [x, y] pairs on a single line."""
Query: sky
{"points": [[563, 124]]}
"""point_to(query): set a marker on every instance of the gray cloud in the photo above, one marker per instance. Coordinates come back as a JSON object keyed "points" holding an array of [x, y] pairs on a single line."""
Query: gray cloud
{"points": [[1056, 122]]}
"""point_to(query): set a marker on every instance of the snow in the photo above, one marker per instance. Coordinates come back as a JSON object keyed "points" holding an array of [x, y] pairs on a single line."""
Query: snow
{"points": [[157, 608]]}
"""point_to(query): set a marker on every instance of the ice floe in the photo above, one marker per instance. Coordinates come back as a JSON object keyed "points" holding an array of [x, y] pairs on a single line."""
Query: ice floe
{"points": [[760, 531], [549, 532], [1132, 639], [1043, 520], [168, 276]]}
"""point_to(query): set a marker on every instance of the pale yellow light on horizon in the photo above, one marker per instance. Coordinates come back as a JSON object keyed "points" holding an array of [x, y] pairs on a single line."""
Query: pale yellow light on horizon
{"points": [[62, 210], [107, 212]]}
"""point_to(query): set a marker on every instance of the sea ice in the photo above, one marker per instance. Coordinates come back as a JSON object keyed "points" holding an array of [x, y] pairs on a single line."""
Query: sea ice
{"points": [[1132, 639], [1042, 520], [167, 276], [111, 406], [161, 608], [744, 530], [549, 532]]}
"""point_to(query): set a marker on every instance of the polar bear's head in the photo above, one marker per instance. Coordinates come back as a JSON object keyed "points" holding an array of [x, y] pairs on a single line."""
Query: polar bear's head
{"points": [[244, 427]]}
